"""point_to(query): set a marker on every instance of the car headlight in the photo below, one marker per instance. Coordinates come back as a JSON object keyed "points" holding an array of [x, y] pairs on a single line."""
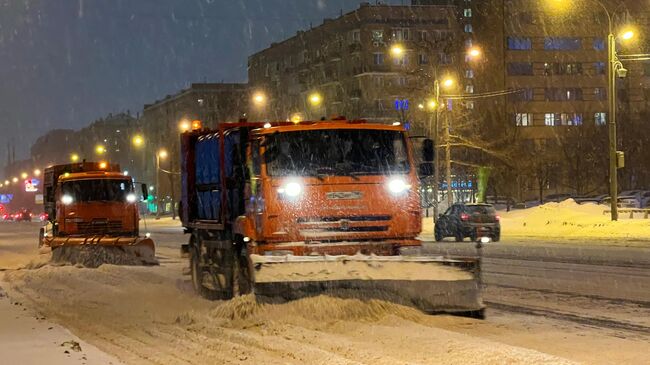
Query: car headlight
{"points": [[66, 199], [398, 186], [291, 189], [131, 198]]}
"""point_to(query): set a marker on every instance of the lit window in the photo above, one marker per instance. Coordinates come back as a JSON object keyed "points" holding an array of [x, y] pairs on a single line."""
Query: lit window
{"points": [[400, 34], [378, 35], [549, 119], [570, 119], [469, 74], [519, 43], [600, 93], [600, 118], [469, 89], [467, 13], [599, 44], [523, 119], [562, 43], [378, 58], [468, 28]]}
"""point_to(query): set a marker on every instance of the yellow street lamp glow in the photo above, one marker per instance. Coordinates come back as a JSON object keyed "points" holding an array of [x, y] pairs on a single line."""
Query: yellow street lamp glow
{"points": [[627, 35], [315, 99], [7, 182], [74, 157], [162, 154], [14, 180], [448, 82], [184, 125], [138, 140], [99, 149], [37, 172], [1, 185], [474, 52], [296, 118], [396, 50], [23, 175], [259, 98], [432, 104], [420, 106]]}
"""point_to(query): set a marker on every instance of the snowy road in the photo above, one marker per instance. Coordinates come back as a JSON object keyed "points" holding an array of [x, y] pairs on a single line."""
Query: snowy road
{"points": [[585, 304]]}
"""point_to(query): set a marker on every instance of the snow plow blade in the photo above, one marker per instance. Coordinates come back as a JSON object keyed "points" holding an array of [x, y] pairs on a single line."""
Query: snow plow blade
{"points": [[98, 250], [431, 284]]}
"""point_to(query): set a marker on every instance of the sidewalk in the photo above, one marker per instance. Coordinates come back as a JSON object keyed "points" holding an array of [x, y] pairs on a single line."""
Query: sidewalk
{"points": [[26, 339]]}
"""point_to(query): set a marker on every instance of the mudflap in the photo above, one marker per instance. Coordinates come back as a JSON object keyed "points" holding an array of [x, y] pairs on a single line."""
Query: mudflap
{"points": [[431, 284]]}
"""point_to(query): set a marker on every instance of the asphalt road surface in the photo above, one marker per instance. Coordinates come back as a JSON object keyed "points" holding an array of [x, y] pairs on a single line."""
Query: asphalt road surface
{"points": [[587, 303]]}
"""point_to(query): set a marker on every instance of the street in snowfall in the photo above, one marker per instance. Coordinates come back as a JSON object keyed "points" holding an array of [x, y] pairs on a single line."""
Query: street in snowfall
{"points": [[325, 182]]}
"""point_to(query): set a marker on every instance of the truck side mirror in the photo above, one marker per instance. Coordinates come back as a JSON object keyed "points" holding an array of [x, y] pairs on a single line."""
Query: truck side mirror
{"points": [[428, 150], [145, 192]]}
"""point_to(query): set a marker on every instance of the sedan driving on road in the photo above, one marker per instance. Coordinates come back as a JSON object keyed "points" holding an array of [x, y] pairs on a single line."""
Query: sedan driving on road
{"points": [[468, 220]]}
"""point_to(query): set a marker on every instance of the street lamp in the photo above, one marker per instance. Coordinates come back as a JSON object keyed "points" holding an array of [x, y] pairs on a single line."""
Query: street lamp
{"points": [[74, 157], [184, 125], [37, 172], [259, 98], [23, 175], [396, 50], [315, 99], [7, 182], [14, 180], [138, 140], [160, 155], [474, 53], [100, 149]]}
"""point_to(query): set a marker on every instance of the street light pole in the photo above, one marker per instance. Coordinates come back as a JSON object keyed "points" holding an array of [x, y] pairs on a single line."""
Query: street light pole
{"points": [[157, 191], [611, 74], [450, 197], [436, 157]]}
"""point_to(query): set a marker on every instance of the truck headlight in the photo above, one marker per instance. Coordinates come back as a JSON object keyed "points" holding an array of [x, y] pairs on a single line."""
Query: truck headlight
{"points": [[398, 186], [291, 189], [67, 199], [131, 198]]}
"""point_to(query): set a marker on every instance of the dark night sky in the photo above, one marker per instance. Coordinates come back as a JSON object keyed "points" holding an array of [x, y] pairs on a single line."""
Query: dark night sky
{"points": [[65, 63]]}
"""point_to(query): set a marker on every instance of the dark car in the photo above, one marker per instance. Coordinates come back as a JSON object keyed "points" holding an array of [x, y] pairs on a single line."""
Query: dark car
{"points": [[468, 220], [23, 215]]}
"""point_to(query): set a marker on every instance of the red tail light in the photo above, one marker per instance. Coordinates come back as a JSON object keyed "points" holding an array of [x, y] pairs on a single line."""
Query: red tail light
{"points": [[464, 216], [498, 218]]}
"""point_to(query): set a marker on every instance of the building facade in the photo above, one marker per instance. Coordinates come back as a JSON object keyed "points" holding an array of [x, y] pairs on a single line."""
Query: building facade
{"points": [[350, 63]]}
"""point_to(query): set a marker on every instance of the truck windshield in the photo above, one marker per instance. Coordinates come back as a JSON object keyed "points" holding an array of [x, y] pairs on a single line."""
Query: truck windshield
{"points": [[336, 152], [97, 190]]}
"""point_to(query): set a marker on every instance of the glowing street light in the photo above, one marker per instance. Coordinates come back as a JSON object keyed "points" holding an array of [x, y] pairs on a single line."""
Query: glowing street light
{"points": [[259, 98], [396, 50], [7, 182], [627, 34], [14, 180], [184, 125], [74, 157], [23, 175], [296, 118], [37, 172], [315, 99], [162, 154], [474, 52], [100, 149], [138, 140], [432, 104], [448, 82]]}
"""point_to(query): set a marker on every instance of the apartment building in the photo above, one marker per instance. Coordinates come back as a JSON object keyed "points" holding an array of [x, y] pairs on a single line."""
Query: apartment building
{"points": [[349, 63]]}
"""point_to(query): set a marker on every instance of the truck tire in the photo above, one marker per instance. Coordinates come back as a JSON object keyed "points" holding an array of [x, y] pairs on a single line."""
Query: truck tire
{"points": [[459, 236], [199, 274]]}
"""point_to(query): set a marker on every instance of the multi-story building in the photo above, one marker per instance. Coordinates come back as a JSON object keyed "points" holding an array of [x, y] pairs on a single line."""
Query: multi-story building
{"points": [[211, 103], [377, 63]]}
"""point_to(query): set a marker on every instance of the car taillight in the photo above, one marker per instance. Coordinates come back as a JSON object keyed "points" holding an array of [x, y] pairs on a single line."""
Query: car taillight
{"points": [[464, 217]]}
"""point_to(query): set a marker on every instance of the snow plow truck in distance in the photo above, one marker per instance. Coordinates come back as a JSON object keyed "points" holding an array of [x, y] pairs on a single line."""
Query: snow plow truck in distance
{"points": [[330, 207], [93, 216]]}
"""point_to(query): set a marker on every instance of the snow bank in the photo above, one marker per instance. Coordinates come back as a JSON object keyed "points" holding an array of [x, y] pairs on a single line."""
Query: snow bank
{"points": [[571, 220]]}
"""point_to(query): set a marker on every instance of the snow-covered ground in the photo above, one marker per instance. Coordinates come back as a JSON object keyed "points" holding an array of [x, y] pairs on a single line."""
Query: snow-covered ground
{"points": [[568, 222]]}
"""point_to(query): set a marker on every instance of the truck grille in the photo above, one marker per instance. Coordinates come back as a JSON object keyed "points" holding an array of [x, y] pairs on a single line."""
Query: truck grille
{"points": [[99, 227], [323, 226]]}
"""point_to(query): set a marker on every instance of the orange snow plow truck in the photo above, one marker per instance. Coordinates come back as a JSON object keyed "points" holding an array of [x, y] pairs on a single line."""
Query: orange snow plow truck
{"points": [[288, 210], [93, 215]]}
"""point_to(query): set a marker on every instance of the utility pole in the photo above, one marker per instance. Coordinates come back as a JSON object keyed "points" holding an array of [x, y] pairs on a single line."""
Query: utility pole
{"points": [[611, 74], [450, 198], [436, 157]]}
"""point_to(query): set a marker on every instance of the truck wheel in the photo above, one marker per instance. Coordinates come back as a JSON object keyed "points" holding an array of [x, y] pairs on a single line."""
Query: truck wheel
{"points": [[438, 235], [497, 237], [242, 282], [459, 236], [199, 274]]}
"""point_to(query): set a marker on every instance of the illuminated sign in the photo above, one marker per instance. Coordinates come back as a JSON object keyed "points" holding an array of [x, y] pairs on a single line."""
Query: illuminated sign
{"points": [[6, 198], [31, 185]]}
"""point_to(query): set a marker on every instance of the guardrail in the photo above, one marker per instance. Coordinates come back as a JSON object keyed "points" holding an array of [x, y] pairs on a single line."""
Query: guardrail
{"points": [[645, 211]]}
